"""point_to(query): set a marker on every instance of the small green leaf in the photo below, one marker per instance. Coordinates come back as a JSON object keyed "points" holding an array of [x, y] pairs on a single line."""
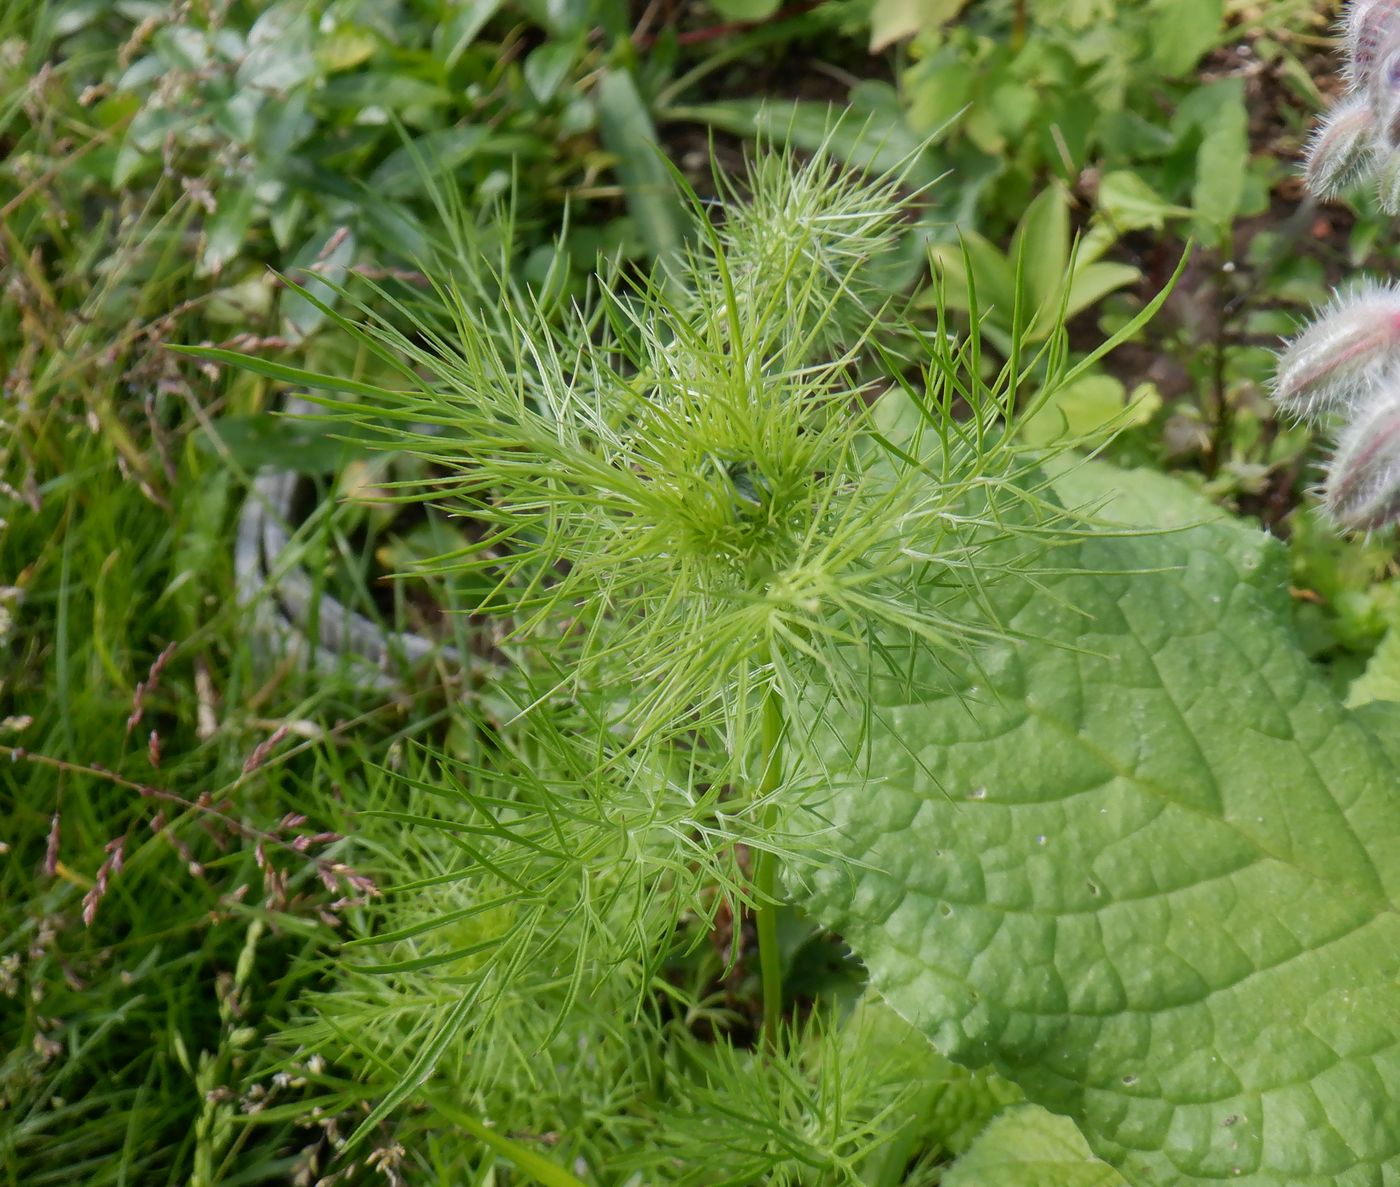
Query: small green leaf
{"points": [[319, 267], [1381, 679], [876, 140], [1133, 205], [381, 88], [1028, 1147], [345, 48], [992, 273], [1093, 282], [227, 229], [628, 134], [1183, 31], [288, 443], [280, 372], [527, 1161], [546, 68], [434, 154], [1223, 157], [458, 32], [1092, 407], [745, 11], [280, 54], [894, 20], [1040, 250]]}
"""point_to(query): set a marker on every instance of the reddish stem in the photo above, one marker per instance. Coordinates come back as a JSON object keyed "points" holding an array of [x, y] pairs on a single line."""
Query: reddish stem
{"points": [[715, 32]]}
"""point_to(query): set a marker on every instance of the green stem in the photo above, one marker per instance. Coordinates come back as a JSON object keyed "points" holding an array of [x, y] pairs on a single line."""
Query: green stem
{"points": [[530, 1164], [765, 875]]}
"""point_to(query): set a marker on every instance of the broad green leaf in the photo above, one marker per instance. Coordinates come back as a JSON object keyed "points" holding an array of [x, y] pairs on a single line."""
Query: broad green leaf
{"points": [[1381, 679], [1092, 407], [1028, 1147], [1143, 862]]}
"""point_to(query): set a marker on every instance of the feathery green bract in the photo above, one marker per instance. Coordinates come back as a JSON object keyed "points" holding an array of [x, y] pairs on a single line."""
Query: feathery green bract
{"points": [[679, 494]]}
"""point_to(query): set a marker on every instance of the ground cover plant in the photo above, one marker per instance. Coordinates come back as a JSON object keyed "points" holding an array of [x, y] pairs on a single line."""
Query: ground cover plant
{"points": [[694, 704]]}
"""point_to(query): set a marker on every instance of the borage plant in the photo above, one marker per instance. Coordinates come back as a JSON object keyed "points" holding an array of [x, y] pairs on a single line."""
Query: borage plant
{"points": [[692, 502]]}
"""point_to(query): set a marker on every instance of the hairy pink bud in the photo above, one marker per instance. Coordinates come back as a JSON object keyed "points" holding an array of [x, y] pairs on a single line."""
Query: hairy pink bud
{"points": [[1363, 481], [1348, 353], [1387, 177], [1366, 28], [1340, 152], [1384, 89]]}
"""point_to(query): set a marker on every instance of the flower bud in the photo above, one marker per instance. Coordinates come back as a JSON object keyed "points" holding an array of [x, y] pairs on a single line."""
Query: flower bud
{"points": [[1363, 481], [1340, 152], [1367, 28], [1386, 175], [1384, 89], [1352, 350]]}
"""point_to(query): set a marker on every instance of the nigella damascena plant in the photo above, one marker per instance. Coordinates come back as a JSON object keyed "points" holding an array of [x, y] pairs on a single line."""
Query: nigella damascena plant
{"points": [[1359, 139], [1345, 368]]}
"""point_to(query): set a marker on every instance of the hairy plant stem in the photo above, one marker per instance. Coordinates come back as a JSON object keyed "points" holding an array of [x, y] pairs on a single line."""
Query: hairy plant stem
{"points": [[765, 874]]}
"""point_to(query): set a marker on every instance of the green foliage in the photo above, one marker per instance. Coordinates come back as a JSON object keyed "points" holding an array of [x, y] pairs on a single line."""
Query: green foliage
{"points": [[558, 1052], [1151, 887], [1041, 273], [689, 478], [1028, 1147], [684, 503], [1080, 91], [309, 135], [1071, 90]]}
